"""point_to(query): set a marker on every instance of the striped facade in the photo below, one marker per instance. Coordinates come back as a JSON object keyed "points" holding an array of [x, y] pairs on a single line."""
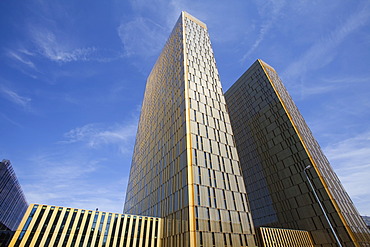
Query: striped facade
{"points": [[45, 225], [276, 237]]}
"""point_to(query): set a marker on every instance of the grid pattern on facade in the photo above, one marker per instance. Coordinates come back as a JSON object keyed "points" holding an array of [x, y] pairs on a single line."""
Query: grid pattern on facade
{"points": [[12, 202], [343, 205], [158, 176], [276, 237], [273, 157], [45, 225], [185, 166], [221, 204]]}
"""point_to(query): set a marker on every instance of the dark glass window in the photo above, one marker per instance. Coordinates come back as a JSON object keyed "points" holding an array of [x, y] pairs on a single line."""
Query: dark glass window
{"points": [[62, 226], [69, 229], [107, 230], [29, 219], [46, 222], [85, 229], [35, 226], [51, 232], [77, 231]]}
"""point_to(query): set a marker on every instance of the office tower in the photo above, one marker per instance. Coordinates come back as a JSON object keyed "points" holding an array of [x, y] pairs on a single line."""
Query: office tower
{"points": [[12, 202], [45, 225], [185, 166], [275, 146]]}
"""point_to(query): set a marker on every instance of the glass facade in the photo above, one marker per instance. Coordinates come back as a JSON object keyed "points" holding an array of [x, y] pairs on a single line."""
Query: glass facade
{"points": [[12, 202], [45, 225], [275, 145], [185, 166]]}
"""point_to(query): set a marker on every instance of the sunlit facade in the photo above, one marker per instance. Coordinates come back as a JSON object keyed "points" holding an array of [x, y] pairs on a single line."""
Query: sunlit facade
{"points": [[275, 145], [185, 166], [45, 225], [278, 237]]}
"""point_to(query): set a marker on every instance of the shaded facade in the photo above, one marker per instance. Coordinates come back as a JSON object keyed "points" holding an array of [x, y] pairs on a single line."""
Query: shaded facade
{"points": [[45, 225], [367, 221], [12, 202], [275, 145], [185, 166]]}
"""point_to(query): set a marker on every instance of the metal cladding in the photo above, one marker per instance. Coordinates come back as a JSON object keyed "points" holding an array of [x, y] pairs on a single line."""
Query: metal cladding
{"points": [[275, 146], [185, 167], [45, 225], [278, 237], [12, 202]]}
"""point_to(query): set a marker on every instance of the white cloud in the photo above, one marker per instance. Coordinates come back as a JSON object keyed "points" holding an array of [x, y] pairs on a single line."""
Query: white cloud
{"points": [[15, 97], [348, 79], [270, 11], [331, 84], [73, 180], [142, 37], [95, 135], [351, 160], [355, 149], [18, 56], [10, 120], [321, 52], [315, 90], [56, 48]]}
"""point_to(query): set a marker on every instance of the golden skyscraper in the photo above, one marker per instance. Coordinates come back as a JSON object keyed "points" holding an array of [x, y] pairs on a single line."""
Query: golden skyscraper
{"points": [[281, 159], [185, 166]]}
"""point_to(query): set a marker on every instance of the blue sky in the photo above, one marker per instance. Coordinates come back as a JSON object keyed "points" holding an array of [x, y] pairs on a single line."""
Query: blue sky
{"points": [[73, 73]]}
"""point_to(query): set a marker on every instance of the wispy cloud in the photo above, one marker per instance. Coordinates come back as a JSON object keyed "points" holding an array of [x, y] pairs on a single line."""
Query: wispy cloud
{"points": [[73, 179], [333, 84], [10, 120], [96, 135], [350, 158], [142, 37], [21, 56], [270, 11], [348, 79], [164, 12], [355, 149], [84, 171], [14, 97], [321, 52], [55, 49], [316, 90]]}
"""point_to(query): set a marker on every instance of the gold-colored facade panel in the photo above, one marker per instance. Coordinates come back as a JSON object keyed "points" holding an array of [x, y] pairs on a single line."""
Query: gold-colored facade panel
{"points": [[45, 225], [275, 147], [200, 23], [344, 207], [185, 167], [278, 237]]}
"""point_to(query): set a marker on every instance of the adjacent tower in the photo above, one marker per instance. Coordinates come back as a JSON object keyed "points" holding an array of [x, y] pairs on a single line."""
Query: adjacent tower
{"points": [[185, 166], [275, 145], [13, 203]]}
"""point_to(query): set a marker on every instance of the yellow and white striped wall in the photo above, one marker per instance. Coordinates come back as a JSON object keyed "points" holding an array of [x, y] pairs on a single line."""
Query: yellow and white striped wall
{"points": [[45, 225], [278, 237]]}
